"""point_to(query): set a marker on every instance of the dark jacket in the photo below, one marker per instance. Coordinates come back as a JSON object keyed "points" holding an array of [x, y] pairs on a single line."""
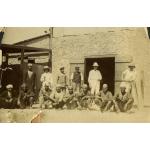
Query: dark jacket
{"points": [[30, 82]]}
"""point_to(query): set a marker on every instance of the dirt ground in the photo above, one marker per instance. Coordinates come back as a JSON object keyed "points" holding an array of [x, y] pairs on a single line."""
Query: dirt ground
{"points": [[73, 116]]}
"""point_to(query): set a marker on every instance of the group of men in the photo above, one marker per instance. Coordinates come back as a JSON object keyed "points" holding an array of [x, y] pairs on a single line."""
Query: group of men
{"points": [[71, 95]]}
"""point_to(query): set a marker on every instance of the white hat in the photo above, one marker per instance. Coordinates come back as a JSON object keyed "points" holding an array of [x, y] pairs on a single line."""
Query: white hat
{"points": [[9, 86], [46, 67], [95, 64], [105, 85], [85, 86], [29, 65], [123, 85]]}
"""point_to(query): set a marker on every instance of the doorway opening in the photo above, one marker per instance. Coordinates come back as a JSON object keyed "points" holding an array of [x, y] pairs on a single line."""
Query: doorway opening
{"points": [[107, 69]]}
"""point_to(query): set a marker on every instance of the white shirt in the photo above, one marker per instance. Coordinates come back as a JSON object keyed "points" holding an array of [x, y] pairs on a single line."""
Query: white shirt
{"points": [[128, 75], [30, 73], [94, 75], [47, 77]]}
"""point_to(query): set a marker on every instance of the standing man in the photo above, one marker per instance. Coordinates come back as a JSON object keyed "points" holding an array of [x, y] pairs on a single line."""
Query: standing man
{"points": [[129, 77], [94, 79], [46, 77], [62, 79], [77, 79], [30, 79]]}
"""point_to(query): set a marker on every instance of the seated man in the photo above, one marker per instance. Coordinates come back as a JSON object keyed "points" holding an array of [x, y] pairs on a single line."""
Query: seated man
{"points": [[44, 96], [106, 98], [9, 98], [26, 97], [70, 99], [84, 97], [123, 99], [57, 98]]}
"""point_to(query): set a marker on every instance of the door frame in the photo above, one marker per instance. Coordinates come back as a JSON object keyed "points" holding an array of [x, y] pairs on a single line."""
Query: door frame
{"points": [[100, 56]]}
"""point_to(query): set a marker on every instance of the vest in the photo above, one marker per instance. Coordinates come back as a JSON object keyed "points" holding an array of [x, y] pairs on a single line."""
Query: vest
{"points": [[77, 77]]}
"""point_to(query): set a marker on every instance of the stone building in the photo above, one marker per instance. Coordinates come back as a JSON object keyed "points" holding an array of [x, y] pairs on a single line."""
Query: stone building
{"points": [[112, 48]]}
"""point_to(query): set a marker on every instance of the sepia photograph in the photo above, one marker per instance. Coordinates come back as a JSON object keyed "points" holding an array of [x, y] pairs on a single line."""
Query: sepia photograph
{"points": [[74, 74]]}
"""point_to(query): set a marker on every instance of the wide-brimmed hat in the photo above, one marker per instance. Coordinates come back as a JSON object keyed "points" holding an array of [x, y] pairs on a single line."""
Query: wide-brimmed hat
{"points": [[131, 65], [9, 86], [95, 64]]}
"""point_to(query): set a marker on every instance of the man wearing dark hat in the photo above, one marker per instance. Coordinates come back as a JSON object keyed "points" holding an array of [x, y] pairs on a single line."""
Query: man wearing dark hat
{"points": [[77, 79], [30, 78], [62, 79]]}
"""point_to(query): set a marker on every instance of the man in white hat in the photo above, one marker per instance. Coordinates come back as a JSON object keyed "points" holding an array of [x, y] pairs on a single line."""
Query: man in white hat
{"points": [[123, 99], [94, 79], [46, 77], [129, 77]]}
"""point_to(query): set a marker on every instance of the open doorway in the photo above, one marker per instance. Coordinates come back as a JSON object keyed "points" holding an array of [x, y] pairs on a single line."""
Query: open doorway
{"points": [[106, 67]]}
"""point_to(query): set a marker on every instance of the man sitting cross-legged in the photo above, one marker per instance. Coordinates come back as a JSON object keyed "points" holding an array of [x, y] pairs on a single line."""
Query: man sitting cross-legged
{"points": [[57, 98], [45, 96], [84, 97], [8, 98], [71, 99], [26, 97], [106, 98], [123, 99]]}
